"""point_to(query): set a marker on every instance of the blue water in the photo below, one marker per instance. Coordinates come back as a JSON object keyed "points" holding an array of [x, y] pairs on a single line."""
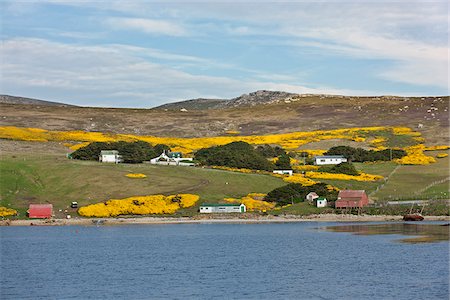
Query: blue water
{"points": [[207, 261]]}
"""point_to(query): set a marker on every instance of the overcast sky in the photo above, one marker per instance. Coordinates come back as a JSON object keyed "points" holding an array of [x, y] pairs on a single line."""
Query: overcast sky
{"points": [[145, 53]]}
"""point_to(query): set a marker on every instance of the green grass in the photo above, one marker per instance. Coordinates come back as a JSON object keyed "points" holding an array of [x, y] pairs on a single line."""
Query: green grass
{"points": [[57, 180], [418, 181]]}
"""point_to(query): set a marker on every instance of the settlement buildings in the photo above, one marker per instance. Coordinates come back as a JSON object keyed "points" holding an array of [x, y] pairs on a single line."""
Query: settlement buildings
{"points": [[110, 156], [208, 208], [352, 199], [172, 159], [283, 172], [329, 160], [311, 196], [321, 202], [40, 211]]}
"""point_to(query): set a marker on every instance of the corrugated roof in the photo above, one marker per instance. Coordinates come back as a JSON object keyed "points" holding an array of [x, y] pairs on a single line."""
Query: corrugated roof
{"points": [[219, 204], [351, 193], [40, 210], [109, 152], [330, 156]]}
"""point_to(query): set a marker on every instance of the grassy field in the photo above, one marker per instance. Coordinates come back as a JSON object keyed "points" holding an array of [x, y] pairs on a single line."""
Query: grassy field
{"points": [[57, 180], [418, 182]]}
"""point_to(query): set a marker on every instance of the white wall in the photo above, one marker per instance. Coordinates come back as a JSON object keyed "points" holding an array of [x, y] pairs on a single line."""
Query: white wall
{"points": [[322, 203], [329, 161], [109, 158]]}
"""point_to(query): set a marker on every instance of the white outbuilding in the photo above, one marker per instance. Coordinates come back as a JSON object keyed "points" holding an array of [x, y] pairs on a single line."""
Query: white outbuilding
{"points": [[208, 208], [283, 172], [311, 196], [321, 202], [110, 156], [329, 160], [172, 159]]}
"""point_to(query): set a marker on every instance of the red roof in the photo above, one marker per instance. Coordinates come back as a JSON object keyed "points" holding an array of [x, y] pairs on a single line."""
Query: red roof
{"points": [[40, 211], [351, 198], [351, 193]]}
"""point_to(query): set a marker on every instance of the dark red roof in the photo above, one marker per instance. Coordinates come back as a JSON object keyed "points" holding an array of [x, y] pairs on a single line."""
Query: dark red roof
{"points": [[351, 193], [40, 211]]}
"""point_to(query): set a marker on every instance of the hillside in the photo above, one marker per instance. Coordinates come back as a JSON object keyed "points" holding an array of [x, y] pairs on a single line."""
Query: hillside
{"points": [[429, 115], [7, 99], [193, 104], [251, 99]]}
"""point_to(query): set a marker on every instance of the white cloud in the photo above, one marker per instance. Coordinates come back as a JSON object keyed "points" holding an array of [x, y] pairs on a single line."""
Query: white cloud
{"points": [[94, 75], [150, 26]]}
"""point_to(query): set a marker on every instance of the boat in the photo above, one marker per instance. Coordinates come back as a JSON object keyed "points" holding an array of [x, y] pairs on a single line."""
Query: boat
{"points": [[413, 217]]}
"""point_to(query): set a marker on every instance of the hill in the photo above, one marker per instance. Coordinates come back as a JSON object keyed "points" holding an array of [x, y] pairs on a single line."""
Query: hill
{"points": [[193, 104], [429, 115], [7, 99], [251, 99]]}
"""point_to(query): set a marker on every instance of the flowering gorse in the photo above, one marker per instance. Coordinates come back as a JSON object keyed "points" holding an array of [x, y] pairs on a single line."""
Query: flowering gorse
{"points": [[136, 175], [253, 202], [7, 212], [139, 205]]}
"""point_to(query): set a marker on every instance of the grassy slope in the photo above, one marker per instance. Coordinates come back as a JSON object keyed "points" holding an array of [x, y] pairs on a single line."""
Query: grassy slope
{"points": [[418, 182], [406, 182], [54, 179]]}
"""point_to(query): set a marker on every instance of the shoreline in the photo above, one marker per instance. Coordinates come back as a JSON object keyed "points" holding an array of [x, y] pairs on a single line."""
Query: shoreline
{"points": [[214, 220]]}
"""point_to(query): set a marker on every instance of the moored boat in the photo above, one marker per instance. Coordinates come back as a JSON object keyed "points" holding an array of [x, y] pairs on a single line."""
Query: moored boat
{"points": [[413, 217]]}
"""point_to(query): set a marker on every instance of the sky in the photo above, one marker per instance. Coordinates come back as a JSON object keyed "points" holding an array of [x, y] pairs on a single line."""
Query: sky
{"points": [[146, 53]]}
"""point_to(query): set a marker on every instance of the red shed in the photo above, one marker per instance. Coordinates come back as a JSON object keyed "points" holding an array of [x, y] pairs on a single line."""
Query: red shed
{"points": [[351, 198], [40, 211]]}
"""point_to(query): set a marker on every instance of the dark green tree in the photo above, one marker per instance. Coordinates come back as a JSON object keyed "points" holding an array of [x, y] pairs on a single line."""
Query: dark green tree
{"points": [[283, 162], [234, 155]]}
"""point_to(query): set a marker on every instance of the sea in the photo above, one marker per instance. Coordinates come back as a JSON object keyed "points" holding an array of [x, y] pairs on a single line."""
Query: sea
{"points": [[217, 261]]}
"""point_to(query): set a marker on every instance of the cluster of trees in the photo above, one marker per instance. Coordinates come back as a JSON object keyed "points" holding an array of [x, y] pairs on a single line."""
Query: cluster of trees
{"points": [[294, 193], [268, 151], [362, 155], [234, 155], [342, 168], [131, 152]]}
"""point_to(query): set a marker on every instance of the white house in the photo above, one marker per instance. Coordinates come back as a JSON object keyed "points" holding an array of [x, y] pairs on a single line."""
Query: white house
{"points": [[321, 202], [110, 156], [208, 208], [172, 159], [283, 172], [329, 160], [311, 196]]}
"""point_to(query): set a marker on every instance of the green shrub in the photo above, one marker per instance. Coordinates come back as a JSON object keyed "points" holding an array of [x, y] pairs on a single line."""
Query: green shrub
{"points": [[233, 155], [342, 168], [294, 193], [362, 155], [134, 152]]}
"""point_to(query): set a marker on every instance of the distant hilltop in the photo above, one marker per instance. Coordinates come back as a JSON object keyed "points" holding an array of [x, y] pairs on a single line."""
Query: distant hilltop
{"points": [[7, 99], [263, 97]]}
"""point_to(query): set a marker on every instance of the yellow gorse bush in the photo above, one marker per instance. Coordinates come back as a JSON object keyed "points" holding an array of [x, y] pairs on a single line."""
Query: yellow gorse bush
{"points": [[139, 205], [441, 155], [306, 168], [314, 152], [253, 202], [136, 175], [434, 148], [297, 178], [232, 132], [415, 156], [7, 212], [289, 141], [360, 177]]}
